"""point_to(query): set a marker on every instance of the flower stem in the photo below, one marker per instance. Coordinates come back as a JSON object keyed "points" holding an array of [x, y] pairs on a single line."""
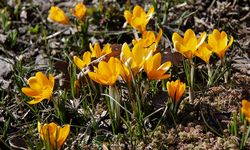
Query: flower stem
{"points": [[115, 108], [191, 90], [209, 72], [224, 66]]}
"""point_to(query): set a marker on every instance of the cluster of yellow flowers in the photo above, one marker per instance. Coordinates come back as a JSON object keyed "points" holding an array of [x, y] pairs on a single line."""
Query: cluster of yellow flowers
{"points": [[135, 60], [57, 15], [139, 19], [189, 46], [95, 52], [41, 88]]}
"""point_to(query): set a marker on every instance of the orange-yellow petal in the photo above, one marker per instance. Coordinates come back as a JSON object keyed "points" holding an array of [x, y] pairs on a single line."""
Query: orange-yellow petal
{"points": [[204, 53], [42, 79], [34, 83], [79, 63], [62, 135], [30, 92], [190, 40], [35, 101]]}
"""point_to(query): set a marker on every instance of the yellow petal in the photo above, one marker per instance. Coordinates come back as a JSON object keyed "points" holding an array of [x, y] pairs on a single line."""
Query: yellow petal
{"points": [[138, 11], [171, 89], [86, 58], [128, 16], [138, 55], [201, 39], [79, 63], [103, 68], [213, 42], [216, 34], [158, 38], [183, 50], [156, 61], [177, 38], [97, 51], [30, 92], [39, 128], [150, 12], [62, 135], [35, 101], [125, 53], [230, 42], [126, 74], [222, 41], [190, 40], [95, 77], [34, 84], [180, 91], [106, 49], [165, 66], [204, 53], [112, 66], [42, 79], [165, 76], [149, 64]]}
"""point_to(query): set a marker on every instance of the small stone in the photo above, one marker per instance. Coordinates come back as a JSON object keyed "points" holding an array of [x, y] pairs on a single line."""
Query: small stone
{"points": [[6, 66], [42, 61]]}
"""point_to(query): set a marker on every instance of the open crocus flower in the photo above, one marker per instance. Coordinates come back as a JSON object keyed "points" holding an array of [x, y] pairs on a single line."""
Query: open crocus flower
{"points": [[154, 69], [149, 39], [139, 19], [40, 87], [57, 135], [81, 63], [107, 72], [188, 45], [176, 89], [219, 42], [98, 52], [57, 15], [203, 52], [80, 11], [135, 58], [245, 109]]}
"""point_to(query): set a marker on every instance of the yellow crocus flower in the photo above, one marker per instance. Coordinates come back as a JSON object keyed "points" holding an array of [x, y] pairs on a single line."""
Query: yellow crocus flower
{"points": [[149, 40], [40, 87], [218, 42], [245, 109], [203, 52], [57, 15], [176, 89], [80, 11], [135, 58], [154, 69], [98, 52], [107, 72], [188, 45], [139, 19], [57, 135], [81, 63]]}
